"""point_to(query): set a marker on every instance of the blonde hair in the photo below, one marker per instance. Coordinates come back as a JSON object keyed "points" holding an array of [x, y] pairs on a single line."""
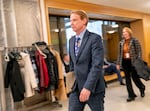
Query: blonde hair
{"points": [[128, 30], [82, 14]]}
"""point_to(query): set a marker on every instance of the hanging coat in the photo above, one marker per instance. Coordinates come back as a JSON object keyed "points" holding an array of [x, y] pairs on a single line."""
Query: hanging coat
{"points": [[27, 74], [60, 93], [14, 79], [44, 77]]}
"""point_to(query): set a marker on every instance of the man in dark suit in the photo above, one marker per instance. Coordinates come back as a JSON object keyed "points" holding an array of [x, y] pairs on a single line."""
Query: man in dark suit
{"points": [[86, 60]]}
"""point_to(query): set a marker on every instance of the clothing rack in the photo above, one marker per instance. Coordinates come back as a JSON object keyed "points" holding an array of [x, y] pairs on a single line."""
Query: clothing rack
{"points": [[2, 91], [3, 101]]}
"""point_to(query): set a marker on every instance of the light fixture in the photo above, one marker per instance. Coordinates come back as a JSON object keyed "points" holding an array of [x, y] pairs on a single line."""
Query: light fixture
{"points": [[55, 30], [115, 26], [111, 31]]}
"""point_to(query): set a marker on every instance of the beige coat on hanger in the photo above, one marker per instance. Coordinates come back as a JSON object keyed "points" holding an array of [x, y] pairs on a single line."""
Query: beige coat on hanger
{"points": [[28, 74]]}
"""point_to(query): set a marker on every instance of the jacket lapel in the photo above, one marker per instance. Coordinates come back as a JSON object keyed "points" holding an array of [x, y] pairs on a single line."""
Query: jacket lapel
{"points": [[84, 41], [72, 48]]}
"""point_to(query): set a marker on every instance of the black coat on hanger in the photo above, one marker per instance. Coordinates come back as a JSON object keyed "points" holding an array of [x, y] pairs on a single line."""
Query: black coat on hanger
{"points": [[14, 79]]}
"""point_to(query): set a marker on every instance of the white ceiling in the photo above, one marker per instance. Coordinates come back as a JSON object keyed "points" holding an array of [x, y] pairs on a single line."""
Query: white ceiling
{"points": [[134, 5]]}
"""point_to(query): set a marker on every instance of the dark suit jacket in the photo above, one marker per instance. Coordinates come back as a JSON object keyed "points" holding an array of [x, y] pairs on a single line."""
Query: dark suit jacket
{"points": [[87, 66]]}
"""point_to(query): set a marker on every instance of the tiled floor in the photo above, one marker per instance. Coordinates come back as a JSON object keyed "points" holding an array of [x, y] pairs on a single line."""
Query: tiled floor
{"points": [[115, 100]]}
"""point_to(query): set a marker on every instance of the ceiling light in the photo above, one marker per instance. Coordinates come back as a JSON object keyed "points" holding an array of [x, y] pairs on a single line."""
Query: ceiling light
{"points": [[115, 26], [55, 30], [111, 31]]}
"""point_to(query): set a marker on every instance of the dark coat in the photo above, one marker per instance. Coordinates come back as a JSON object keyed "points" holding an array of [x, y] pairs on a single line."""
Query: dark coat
{"points": [[52, 67], [14, 79], [142, 69]]}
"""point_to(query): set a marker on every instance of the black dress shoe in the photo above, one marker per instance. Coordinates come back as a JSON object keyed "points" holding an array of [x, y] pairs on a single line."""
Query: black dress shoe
{"points": [[130, 99], [142, 91], [121, 83]]}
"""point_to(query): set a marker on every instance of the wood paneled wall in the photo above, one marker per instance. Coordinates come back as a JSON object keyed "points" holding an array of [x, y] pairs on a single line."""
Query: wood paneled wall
{"points": [[137, 28], [141, 27], [146, 29]]}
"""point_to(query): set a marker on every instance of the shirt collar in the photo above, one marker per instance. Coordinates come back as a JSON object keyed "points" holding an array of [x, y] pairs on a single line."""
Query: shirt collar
{"points": [[81, 34]]}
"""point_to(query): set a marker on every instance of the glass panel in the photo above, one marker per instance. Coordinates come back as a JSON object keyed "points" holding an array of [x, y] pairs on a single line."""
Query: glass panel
{"points": [[54, 33], [93, 26], [69, 32]]}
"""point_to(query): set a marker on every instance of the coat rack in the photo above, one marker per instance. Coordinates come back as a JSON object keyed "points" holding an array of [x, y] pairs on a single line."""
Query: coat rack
{"points": [[3, 99], [2, 90], [5, 96]]}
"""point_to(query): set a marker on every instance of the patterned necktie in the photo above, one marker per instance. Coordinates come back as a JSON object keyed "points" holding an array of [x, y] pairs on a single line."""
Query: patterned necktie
{"points": [[77, 45]]}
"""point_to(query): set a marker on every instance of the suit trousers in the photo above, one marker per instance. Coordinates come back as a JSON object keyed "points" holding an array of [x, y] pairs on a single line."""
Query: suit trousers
{"points": [[130, 72], [95, 102]]}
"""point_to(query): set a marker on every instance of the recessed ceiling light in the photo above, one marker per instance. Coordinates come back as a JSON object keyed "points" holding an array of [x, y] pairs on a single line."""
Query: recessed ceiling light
{"points": [[115, 26]]}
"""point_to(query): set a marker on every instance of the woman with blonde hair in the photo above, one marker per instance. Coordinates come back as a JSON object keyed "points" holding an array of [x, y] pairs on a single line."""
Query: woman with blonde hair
{"points": [[129, 50]]}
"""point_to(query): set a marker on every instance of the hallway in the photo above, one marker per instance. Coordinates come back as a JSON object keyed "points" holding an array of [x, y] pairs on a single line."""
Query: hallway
{"points": [[115, 100]]}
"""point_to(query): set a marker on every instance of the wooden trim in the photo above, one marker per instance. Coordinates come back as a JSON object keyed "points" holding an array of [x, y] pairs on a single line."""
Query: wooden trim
{"points": [[48, 23], [93, 8]]}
